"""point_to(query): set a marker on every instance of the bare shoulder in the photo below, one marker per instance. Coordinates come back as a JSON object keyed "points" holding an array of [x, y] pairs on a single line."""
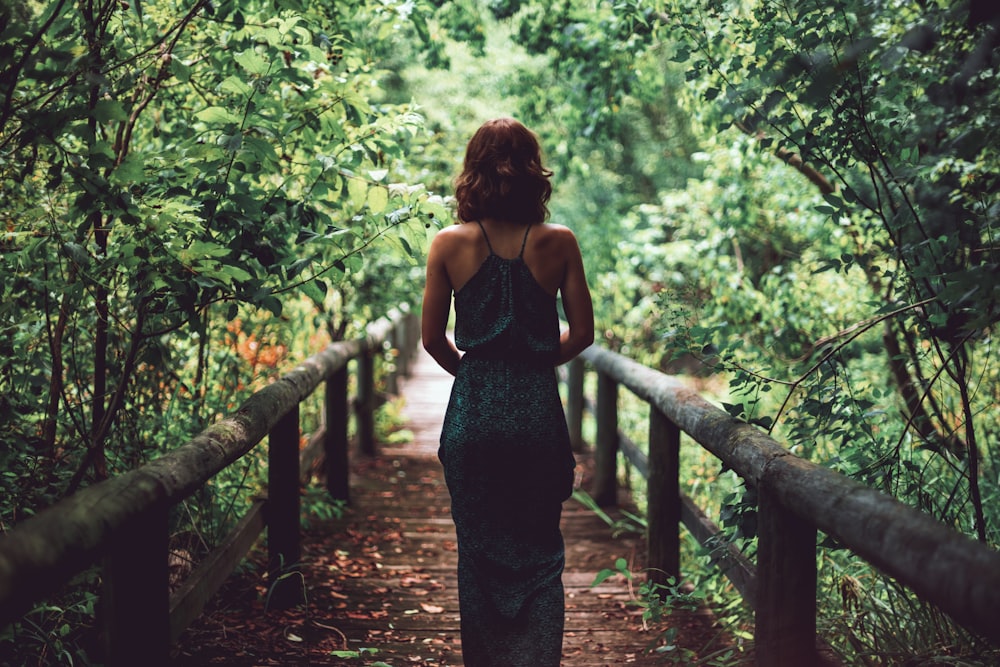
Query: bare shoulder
{"points": [[453, 231], [558, 237], [452, 235]]}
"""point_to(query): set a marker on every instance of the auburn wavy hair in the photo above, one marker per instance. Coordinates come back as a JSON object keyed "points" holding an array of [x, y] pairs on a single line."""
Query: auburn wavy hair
{"points": [[503, 176]]}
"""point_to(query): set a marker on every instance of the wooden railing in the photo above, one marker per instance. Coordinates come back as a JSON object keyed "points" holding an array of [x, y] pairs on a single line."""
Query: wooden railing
{"points": [[796, 498], [123, 522]]}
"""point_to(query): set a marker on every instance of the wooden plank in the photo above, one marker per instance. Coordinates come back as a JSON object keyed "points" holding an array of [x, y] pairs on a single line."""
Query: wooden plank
{"points": [[602, 609], [633, 454], [574, 403]]}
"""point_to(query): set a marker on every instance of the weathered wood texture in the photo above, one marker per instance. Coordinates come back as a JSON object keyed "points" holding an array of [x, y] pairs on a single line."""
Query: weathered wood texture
{"points": [[959, 575]]}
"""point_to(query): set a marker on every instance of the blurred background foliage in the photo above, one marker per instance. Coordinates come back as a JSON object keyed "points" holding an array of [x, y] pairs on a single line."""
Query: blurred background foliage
{"points": [[796, 205]]}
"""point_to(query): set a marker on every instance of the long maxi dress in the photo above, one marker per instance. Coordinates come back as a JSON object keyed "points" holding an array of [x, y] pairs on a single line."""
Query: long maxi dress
{"points": [[508, 464]]}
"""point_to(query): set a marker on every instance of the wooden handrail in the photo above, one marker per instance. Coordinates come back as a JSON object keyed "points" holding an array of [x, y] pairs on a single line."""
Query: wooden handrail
{"points": [[796, 498], [123, 520]]}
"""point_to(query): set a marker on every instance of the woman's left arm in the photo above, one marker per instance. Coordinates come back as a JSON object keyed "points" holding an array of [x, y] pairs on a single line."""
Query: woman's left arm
{"points": [[577, 305], [436, 308]]}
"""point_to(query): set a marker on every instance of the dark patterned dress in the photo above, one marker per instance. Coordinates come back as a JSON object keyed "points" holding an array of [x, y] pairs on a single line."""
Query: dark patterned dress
{"points": [[508, 463]]}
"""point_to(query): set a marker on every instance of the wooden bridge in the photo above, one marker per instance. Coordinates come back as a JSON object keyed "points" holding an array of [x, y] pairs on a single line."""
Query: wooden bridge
{"points": [[391, 595], [378, 584]]}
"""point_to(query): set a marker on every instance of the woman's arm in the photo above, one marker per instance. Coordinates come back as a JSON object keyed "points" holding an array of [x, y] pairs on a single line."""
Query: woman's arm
{"points": [[577, 305], [436, 308]]}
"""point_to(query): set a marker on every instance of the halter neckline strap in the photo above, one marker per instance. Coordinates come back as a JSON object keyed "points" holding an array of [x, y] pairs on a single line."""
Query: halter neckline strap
{"points": [[524, 241]]}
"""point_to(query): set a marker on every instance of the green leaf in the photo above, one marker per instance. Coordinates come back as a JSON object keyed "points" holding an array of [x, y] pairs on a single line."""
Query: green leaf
{"points": [[603, 576], [207, 249], [378, 199], [228, 271], [108, 110], [315, 290], [236, 86], [180, 70], [272, 304], [735, 410], [217, 115], [357, 193], [129, 171], [253, 62], [77, 253]]}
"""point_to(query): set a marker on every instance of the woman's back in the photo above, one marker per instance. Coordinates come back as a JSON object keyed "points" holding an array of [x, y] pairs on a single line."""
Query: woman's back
{"points": [[550, 255], [502, 310], [544, 250]]}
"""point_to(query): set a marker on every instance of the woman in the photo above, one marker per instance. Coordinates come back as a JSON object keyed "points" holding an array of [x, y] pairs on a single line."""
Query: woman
{"points": [[504, 444]]}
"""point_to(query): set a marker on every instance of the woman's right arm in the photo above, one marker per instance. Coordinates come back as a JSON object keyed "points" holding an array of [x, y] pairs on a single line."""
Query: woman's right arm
{"points": [[577, 305], [437, 307]]}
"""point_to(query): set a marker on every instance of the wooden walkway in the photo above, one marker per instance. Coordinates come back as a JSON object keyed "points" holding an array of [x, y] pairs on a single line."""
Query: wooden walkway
{"points": [[381, 581]]}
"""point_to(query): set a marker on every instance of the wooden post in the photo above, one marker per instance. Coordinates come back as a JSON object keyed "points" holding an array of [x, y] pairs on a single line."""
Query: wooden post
{"points": [[136, 602], [283, 509], [574, 403], [606, 455], [335, 445], [392, 378], [785, 625], [663, 512], [402, 345], [365, 404], [413, 326]]}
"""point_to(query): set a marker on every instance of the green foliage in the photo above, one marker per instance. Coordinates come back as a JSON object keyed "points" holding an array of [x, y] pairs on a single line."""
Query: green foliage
{"points": [[57, 632], [319, 506], [629, 523], [359, 654], [880, 620], [657, 601], [190, 196], [289, 575], [879, 106], [184, 170], [390, 424]]}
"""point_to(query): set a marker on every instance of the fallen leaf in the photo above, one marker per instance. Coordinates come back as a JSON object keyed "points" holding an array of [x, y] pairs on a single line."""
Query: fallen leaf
{"points": [[431, 608]]}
